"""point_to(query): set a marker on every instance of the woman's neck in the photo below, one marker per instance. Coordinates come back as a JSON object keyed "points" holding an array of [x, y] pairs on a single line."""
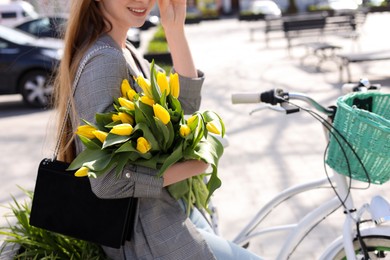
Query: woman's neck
{"points": [[119, 36]]}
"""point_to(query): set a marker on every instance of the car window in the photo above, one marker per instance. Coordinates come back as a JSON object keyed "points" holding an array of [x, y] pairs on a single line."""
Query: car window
{"points": [[3, 44], [15, 36], [8, 15], [39, 26]]}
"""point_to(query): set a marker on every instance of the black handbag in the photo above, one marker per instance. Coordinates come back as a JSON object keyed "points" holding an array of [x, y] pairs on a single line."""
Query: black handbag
{"points": [[66, 204]]}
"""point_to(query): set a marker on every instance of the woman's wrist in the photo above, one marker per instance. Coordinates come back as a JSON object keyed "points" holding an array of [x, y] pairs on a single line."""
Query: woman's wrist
{"points": [[183, 170]]}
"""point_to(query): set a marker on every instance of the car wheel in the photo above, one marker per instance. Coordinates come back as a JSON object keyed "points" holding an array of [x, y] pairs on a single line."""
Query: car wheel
{"points": [[35, 88]]}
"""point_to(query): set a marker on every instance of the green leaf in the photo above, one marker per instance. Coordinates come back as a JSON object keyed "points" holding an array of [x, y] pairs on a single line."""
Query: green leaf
{"points": [[150, 163], [90, 144], [113, 139], [89, 156], [112, 124], [139, 114], [201, 191], [174, 157], [175, 104], [211, 116], [165, 133], [147, 133], [153, 81], [102, 120], [179, 189], [120, 160], [100, 164], [126, 147], [214, 182]]}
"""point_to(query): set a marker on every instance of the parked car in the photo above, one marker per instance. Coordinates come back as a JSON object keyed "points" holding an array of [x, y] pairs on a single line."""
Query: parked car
{"points": [[151, 21], [54, 27], [12, 12], [265, 7], [337, 5], [45, 26], [27, 64]]}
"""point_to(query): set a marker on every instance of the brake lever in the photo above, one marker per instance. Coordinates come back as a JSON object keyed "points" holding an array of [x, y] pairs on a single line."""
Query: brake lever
{"points": [[289, 108], [267, 106]]}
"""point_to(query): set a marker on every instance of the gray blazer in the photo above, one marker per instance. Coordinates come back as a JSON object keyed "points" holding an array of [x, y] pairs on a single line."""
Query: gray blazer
{"points": [[162, 230]]}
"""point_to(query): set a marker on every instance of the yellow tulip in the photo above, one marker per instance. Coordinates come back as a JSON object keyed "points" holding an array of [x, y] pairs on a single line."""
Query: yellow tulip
{"points": [[126, 103], [86, 131], [143, 146], [192, 119], [126, 118], [145, 85], [100, 135], [123, 117], [125, 87], [162, 82], [147, 100], [161, 113], [174, 84], [212, 128], [115, 117], [122, 129], [130, 94], [82, 172], [184, 130]]}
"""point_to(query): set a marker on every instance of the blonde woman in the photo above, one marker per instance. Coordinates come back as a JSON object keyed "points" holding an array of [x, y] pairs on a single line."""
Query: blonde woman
{"points": [[96, 36]]}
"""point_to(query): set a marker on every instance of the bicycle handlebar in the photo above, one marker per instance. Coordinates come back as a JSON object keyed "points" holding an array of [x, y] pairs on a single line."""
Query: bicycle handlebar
{"points": [[279, 97]]}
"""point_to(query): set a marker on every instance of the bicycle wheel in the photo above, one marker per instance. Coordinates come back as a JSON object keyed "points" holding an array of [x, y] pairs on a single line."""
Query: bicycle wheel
{"points": [[378, 247]]}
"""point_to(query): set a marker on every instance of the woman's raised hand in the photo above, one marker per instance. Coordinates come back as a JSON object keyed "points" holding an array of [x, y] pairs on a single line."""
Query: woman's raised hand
{"points": [[172, 13]]}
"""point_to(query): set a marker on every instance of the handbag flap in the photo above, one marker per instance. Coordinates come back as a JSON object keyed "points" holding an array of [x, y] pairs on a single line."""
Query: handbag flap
{"points": [[66, 204]]}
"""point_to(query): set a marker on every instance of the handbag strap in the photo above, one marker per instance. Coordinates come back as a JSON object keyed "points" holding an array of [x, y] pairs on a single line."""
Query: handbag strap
{"points": [[75, 82]]}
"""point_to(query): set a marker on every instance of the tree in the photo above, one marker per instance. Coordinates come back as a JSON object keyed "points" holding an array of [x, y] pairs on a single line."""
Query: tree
{"points": [[292, 7]]}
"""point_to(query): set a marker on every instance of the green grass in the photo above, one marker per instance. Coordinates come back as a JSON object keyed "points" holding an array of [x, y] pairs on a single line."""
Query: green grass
{"points": [[36, 243]]}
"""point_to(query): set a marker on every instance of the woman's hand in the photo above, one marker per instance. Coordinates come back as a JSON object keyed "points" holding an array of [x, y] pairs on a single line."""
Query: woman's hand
{"points": [[184, 170], [172, 13]]}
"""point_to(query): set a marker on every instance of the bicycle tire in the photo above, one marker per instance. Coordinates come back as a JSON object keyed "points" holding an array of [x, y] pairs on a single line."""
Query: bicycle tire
{"points": [[378, 248]]}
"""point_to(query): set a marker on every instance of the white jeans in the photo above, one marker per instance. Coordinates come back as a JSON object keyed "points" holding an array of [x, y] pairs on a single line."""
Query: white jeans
{"points": [[221, 248]]}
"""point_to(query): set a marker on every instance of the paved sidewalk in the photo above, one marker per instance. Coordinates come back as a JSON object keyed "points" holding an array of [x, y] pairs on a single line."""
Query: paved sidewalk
{"points": [[268, 151]]}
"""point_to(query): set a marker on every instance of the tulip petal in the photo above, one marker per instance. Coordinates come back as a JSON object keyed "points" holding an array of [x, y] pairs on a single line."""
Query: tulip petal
{"points": [[147, 100], [122, 129], [161, 113], [86, 131], [184, 130], [212, 128], [174, 84], [162, 82], [126, 103], [100, 135], [145, 85], [143, 146], [82, 172]]}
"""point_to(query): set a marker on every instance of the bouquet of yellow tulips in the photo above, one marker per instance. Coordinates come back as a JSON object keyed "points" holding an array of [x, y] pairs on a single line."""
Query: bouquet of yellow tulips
{"points": [[149, 129]]}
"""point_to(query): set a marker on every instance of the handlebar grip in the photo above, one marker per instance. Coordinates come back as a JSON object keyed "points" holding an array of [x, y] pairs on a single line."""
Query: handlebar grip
{"points": [[269, 97], [245, 98]]}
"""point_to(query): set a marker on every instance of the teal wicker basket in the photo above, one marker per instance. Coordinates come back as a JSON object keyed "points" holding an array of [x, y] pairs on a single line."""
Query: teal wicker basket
{"points": [[363, 119]]}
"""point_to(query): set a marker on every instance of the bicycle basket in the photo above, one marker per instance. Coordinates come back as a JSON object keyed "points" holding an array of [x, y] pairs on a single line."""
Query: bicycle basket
{"points": [[363, 119]]}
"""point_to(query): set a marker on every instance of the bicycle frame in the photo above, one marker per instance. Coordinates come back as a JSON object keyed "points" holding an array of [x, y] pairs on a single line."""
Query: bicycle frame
{"points": [[297, 231], [300, 228]]}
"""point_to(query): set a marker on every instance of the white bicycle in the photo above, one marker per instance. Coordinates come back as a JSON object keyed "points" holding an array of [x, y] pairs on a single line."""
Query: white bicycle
{"points": [[362, 237]]}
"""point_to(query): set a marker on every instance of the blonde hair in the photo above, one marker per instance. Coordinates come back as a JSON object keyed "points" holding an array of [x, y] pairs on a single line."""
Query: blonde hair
{"points": [[85, 24]]}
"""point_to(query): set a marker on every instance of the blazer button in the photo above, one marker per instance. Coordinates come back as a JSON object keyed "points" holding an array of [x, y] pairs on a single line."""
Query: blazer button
{"points": [[128, 175]]}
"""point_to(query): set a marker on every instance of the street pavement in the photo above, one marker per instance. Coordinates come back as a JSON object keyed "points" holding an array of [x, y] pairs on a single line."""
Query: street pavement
{"points": [[267, 152]]}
